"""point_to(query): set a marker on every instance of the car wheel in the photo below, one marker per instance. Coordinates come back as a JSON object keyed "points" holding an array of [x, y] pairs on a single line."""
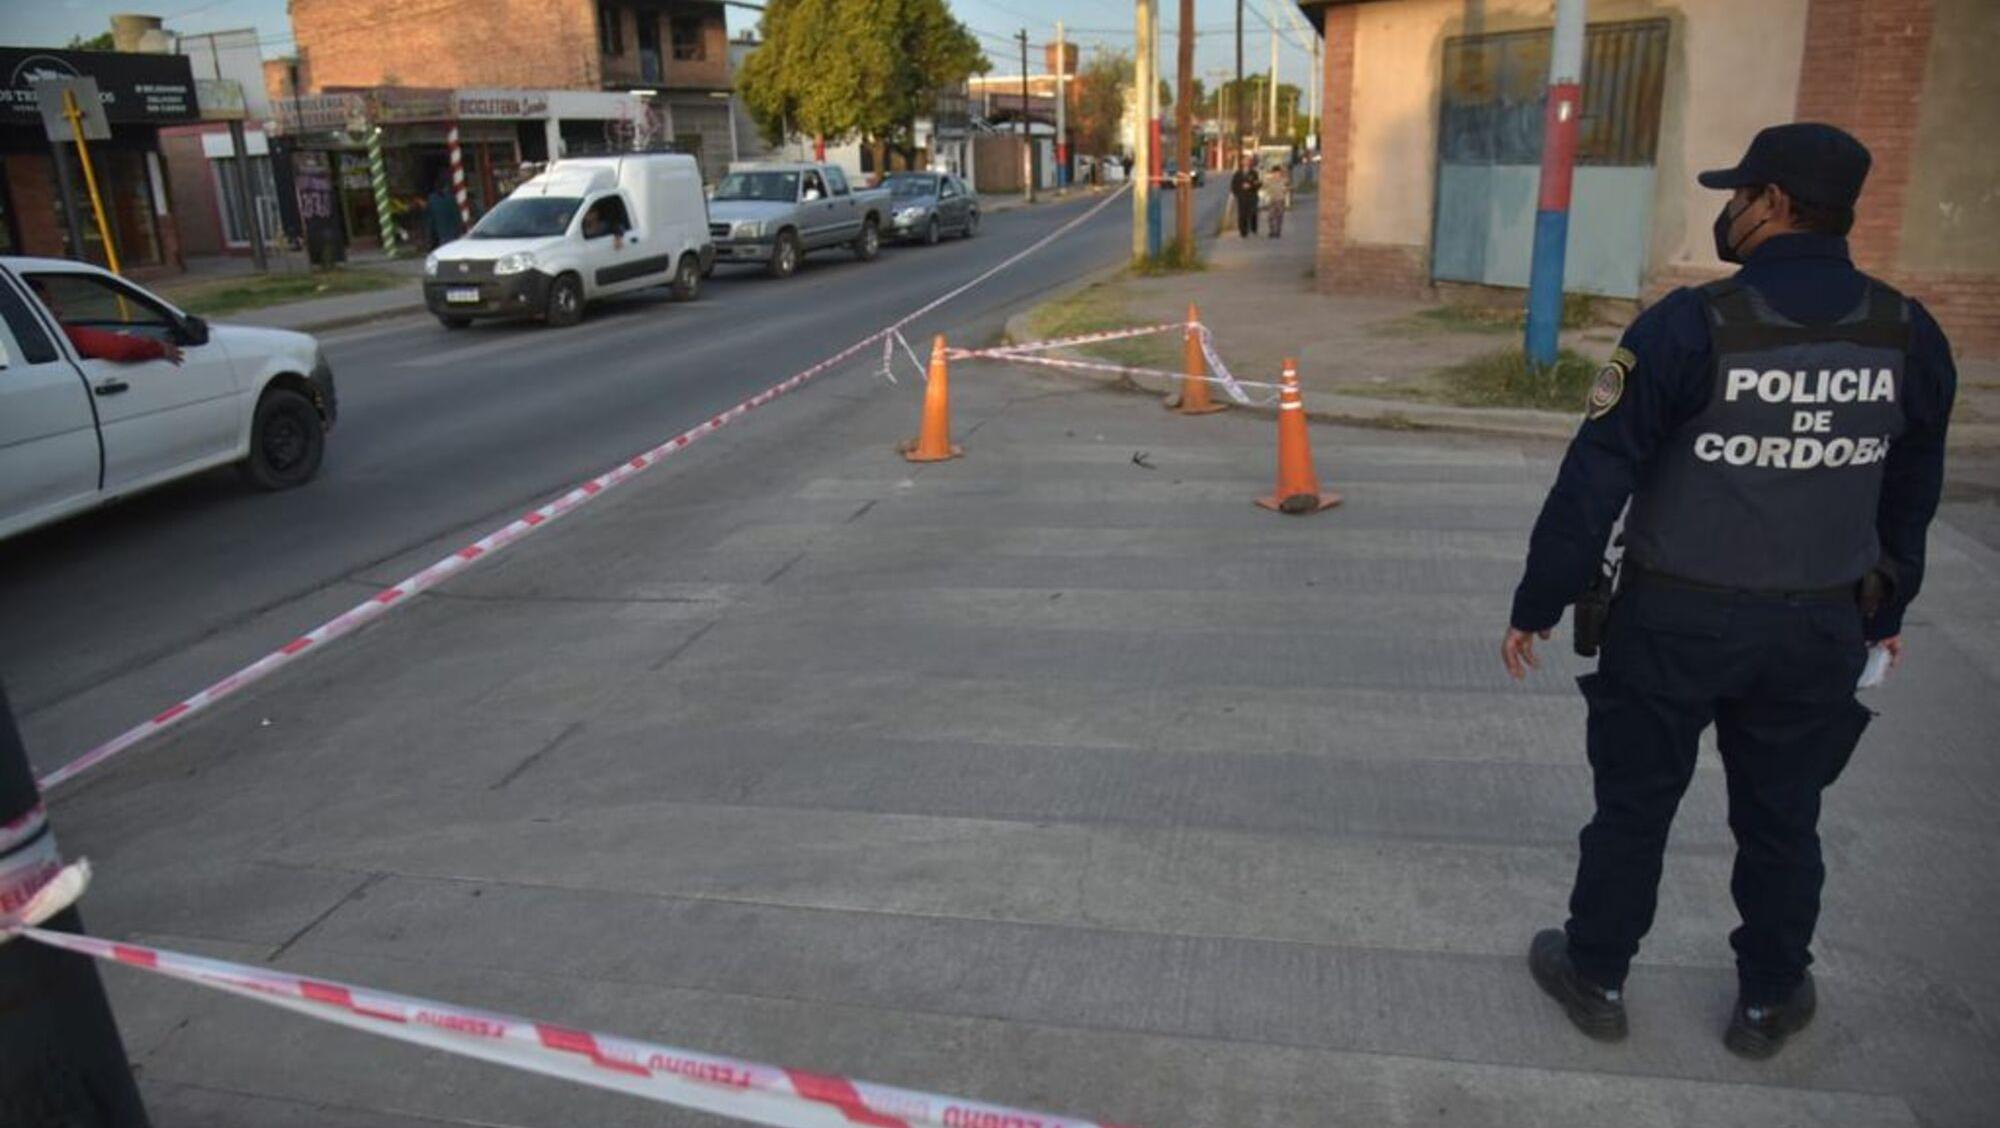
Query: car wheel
{"points": [[869, 244], [454, 322], [287, 441], [971, 224], [687, 279], [565, 306], [785, 256], [931, 232]]}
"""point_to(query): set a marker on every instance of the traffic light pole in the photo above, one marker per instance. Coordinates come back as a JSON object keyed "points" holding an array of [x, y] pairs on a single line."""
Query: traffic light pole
{"points": [[61, 1062]]}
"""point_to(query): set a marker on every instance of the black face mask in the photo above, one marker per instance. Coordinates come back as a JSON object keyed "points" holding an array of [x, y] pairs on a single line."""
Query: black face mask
{"points": [[1724, 249]]}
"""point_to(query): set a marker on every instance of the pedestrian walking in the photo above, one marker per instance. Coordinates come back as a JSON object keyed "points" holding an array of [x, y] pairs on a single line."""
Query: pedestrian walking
{"points": [[1780, 435], [1243, 186], [441, 214], [1277, 197]]}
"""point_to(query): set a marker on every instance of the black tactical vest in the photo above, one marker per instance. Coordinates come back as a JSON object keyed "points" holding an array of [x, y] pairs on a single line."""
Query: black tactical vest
{"points": [[1773, 487]]}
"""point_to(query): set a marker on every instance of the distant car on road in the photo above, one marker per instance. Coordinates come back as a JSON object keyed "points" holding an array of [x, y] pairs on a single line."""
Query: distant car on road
{"points": [[1170, 169], [77, 431], [773, 214], [586, 228], [926, 206]]}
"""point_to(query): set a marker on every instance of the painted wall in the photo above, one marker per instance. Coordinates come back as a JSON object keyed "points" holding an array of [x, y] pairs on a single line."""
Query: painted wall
{"points": [[1732, 68], [1951, 216]]}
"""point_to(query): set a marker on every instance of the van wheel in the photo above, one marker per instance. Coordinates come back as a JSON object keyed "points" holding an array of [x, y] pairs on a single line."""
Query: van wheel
{"points": [[784, 256], [287, 442], [869, 243], [565, 306], [454, 322], [687, 279]]}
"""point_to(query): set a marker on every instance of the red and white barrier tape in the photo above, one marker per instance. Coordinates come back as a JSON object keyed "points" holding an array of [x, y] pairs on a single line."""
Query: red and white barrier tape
{"points": [[746, 1090], [28, 859], [1026, 353], [399, 593]]}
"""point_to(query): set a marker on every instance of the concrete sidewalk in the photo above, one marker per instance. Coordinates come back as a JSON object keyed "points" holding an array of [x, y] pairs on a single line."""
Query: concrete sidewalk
{"points": [[1056, 776], [1373, 360]]}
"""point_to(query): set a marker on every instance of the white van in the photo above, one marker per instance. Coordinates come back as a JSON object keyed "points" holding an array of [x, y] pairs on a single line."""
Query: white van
{"points": [[585, 228]]}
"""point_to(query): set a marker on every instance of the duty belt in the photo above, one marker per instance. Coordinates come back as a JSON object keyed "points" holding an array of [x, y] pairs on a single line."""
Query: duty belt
{"points": [[1638, 575]]}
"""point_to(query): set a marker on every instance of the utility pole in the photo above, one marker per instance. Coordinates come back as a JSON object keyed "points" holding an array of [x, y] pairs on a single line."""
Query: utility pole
{"points": [[1027, 142], [61, 1062], [1147, 89], [1237, 143], [1545, 273], [1062, 111], [1271, 114], [1184, 138]]}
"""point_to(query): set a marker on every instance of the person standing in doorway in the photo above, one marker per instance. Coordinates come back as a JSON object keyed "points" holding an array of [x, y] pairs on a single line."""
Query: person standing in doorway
{"points": [[1243, 193], [441, 214]]}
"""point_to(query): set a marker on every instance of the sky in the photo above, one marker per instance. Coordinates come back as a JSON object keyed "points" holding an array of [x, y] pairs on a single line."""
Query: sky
{"points": [[1093, 25]]}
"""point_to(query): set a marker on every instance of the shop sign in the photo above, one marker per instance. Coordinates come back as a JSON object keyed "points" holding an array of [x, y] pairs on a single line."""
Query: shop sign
{"points": [[320, 112], [134, 89], [220, 99], [400, 103], [507, 105]]}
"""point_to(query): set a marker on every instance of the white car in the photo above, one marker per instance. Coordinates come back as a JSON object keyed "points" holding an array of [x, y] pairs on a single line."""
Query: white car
{"points": [[587, 228], [77, 432]]}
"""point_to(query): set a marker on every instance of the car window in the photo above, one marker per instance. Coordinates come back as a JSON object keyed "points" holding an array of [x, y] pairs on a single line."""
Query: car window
{"points": [[946, 189], [35, 346], [837, 180], [101, 302], [605, 217], [813, 189]]}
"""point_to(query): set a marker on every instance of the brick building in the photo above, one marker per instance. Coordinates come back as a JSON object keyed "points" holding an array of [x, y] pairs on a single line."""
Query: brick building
{"points": [[678, 48], [1431, 139]]}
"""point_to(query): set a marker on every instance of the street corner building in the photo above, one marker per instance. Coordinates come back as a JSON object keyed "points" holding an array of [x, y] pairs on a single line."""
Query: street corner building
{"points": [[1431, 140], [671, 56], [142, 94]]}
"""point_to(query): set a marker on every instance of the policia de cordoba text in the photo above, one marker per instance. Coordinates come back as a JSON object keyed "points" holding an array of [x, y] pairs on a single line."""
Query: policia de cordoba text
{"points": [[1779, 436]]}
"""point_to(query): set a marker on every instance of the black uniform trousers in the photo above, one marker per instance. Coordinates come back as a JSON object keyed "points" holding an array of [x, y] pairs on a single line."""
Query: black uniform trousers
{"points": [[1246, 214], [1775, 675]]}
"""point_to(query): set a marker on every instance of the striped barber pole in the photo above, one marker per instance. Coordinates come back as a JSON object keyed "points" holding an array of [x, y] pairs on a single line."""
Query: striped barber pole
{"points": [[378, 177], [458, 173]]}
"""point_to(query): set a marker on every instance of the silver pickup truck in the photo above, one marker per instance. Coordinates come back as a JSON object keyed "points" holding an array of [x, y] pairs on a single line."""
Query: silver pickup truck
{"points": [[773, 214]]}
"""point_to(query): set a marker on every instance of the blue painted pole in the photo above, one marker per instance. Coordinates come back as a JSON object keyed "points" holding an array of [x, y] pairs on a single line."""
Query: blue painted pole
{"points": [[1545, 273]]}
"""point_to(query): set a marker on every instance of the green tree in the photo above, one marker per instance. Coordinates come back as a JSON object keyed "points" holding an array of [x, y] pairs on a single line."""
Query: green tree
{"points": [[99, 42], [847, 68], [1098, 104]]}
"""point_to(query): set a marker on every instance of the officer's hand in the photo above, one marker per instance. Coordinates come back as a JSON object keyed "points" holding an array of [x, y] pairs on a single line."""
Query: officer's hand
{"points": [[1894, 645], [1517, 650]]}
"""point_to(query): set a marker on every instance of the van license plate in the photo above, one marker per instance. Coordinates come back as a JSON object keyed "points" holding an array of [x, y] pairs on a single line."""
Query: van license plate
{"points": [[462, 294]]}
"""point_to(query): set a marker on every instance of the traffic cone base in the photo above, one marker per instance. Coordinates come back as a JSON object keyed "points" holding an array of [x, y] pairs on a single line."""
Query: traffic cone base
{"points": [[1300, 502], [933, 442], [1193, 398]]}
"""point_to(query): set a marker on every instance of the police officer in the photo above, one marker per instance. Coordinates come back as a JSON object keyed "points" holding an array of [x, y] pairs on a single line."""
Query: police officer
{"points": [[1780, 437]]}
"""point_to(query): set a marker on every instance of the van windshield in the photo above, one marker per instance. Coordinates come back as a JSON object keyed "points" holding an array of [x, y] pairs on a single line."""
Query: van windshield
{"points": [[782, 187], [526, 217]]}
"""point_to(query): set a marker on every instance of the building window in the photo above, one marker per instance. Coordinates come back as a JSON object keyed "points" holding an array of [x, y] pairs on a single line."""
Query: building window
{"points": [[610, 29], [1495, 87], [690, 36], [236, 228]]}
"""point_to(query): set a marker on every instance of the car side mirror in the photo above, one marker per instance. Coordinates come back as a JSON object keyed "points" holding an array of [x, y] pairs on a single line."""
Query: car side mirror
{"points": [[194, 330]]}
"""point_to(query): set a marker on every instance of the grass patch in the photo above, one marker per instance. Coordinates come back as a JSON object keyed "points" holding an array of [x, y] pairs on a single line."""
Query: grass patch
{"points": [[1505, 379], [224, 296], [1578, 312], [1173, 259], [1097, 308]]}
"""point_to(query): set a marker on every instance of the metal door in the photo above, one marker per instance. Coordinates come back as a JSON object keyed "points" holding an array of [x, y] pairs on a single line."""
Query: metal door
{"points": [[48, 437], [1490, 151]]}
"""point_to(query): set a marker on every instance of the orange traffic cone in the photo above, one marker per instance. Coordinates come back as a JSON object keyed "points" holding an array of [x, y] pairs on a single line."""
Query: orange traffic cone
{"points": [[1193, 399], [933, 441], [1298, 486]]}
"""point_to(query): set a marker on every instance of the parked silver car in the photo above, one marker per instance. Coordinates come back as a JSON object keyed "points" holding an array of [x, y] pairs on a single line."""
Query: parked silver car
{"points": [[773, 213], [927, 206]]}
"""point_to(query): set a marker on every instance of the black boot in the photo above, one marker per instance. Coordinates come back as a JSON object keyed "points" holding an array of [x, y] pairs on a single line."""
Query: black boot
{"points": [[1760, 1032], [1597, 1011]]}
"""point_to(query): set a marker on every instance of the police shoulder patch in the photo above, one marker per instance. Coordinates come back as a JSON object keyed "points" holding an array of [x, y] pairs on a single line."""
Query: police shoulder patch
{"points": [[1609, 387]]}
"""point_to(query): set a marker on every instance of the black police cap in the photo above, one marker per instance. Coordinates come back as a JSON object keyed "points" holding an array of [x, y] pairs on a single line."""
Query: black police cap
{"points": [[1820, 164]]}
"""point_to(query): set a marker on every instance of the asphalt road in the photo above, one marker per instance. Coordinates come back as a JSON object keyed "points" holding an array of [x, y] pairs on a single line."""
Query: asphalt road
{"points": [[111, 617]]}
